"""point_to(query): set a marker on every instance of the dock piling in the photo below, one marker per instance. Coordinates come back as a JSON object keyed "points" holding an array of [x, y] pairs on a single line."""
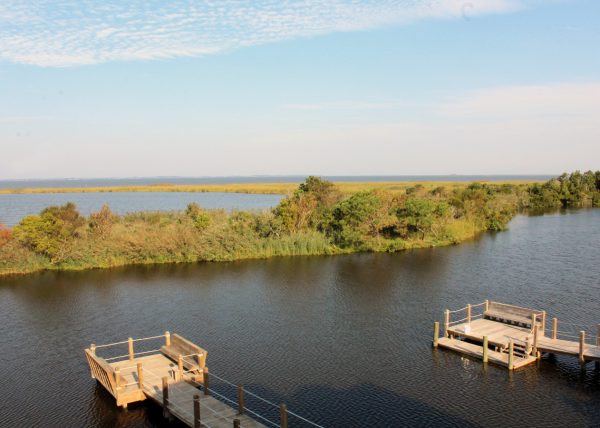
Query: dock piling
{"points": [[241, 400], [511, 356], [485, 349], [130, 346], [197, 420], [436, 333], [206, 381], [283, 416], [468, 312], [581, 347], [446, 322], [486, 305], [536, 333], [236, 423], [165, 392], [543, 323], [167, 338], [180, 366], [554, 328]]}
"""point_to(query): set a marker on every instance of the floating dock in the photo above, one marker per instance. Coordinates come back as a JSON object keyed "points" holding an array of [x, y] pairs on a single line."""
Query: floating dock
{"points": [[175, 377], [513, 336]]}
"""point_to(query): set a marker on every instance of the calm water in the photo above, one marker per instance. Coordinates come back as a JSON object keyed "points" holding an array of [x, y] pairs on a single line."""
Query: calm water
{"points": [[14, 207], [343, 340]]}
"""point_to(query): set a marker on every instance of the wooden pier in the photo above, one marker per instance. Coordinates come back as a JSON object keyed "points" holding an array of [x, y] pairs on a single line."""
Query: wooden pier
{"points": [[175, 377], [513, 336]]}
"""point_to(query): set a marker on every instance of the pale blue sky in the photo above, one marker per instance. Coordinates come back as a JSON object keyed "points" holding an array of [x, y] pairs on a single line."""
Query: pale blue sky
{"points": [[312, 87]]}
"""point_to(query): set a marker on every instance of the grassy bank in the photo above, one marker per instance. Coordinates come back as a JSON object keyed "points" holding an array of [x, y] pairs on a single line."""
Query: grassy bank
{"points": [[257, 188], [317, 217]]}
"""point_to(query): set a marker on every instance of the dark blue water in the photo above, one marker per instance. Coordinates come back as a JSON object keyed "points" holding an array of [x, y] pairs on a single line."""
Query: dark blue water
{"points": [[97, 182], [14, 207], [343, 340]]}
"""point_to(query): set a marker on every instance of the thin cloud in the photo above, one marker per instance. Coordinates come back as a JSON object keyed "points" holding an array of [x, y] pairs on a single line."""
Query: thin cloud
{"points": [[60, 33]]}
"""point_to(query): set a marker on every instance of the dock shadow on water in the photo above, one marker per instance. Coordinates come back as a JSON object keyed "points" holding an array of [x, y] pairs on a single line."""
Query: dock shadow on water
{"points": [[343, 341]]}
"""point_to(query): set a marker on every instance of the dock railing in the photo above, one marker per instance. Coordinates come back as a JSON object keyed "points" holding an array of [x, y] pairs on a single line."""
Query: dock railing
{"points": [[208, 383], [462, 315]]}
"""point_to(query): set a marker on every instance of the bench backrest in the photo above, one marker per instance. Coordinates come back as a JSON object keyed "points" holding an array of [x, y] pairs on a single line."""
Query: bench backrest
{"points": [[512, 314], [181, 346]]}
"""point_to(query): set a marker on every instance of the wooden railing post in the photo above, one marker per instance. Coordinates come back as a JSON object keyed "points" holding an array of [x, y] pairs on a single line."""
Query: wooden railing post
{"points": [[543, 324], [283, 416], [118, 378], [140, 376], [436, 333], [167, 338], [197, 420], [468, 312], [533, 320], [554, 328], [581, 347], [206, 381], [93, 349], [486, 305], [446, 322], [241, 400], [528, 346], [236, 423], [130, 346], [511, 356], [535, 341], [485, 349], [180, 366], [165, 392]]}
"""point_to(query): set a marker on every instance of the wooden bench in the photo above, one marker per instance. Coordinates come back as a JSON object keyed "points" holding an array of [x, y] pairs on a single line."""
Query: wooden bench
{"points": [[194, 356], [514, 315]]}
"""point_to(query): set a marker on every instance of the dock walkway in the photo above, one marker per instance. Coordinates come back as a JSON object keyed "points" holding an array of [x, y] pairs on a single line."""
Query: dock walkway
{"points": [[175, 377], [512, 336]]}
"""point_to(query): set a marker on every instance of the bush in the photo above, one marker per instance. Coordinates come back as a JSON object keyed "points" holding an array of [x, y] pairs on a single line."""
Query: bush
{"points": [[199, 216], [101, 223], [5, 234], [51, 233]]}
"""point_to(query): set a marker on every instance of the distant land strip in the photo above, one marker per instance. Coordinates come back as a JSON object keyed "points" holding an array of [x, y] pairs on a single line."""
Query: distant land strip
{"points": [[259, 188]]}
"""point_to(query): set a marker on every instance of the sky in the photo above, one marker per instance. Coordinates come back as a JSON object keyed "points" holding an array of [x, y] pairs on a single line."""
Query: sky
{"points": [[374, 87]]}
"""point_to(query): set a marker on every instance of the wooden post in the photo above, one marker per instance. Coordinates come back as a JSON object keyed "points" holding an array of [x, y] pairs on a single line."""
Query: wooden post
{"points": [[167, 338], [468, 312], [554, 328], [436, 333], [485, 349], [241, 400], [581, 347], [535, 341], [130, 345], [206, 381], [486, 305], [446, 322], [283, 415], [197, 420], [236, 423], [118, 378], [543, 324], [140, 376], [93, 348], [598, 336], [511, 350], [199, 359], [165, 391], [180, 366], [533, 321], [528, 345]]}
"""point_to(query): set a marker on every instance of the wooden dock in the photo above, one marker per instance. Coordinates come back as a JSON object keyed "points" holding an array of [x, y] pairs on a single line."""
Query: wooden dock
{"points": [[175, 377], [513, 336]]}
